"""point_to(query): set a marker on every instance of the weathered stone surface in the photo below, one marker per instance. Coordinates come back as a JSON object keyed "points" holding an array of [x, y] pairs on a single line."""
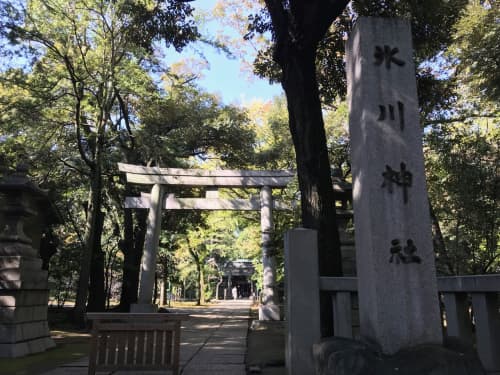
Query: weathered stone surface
{"points": [[348, 260], [19, 262], [17, 248], [398, 299], [36, 284], [148, 262], [21, 349], [18, 332], [12, 314], [199, 177], [341, 356], [174, 203], [269, 309], [24, 297], [487, 325], [302, 291], [15, 274], [23, 283]]}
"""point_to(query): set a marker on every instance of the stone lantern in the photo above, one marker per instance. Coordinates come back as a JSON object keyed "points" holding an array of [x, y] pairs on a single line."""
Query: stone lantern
{"points": [[23, 284]]}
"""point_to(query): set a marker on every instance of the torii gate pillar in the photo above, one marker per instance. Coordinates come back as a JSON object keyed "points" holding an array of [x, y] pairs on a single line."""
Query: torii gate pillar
{"points": [[268, 310], [148, 263]]}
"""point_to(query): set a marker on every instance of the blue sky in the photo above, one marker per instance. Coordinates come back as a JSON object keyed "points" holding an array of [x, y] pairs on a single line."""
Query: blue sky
{"points": [[223, 75], [225, 78]]}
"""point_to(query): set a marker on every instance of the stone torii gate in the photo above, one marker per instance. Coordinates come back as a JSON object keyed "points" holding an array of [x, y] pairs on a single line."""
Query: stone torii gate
{"points": [[160, 178]]}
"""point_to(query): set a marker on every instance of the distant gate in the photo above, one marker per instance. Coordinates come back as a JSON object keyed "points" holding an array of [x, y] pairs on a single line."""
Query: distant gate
{"points": [[212, 180]]}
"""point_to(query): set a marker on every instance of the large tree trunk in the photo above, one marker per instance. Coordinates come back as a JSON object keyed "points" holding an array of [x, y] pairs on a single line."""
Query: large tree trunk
{"points": [[132, 248], [97, 290], [444, 263], [92, 258], [313, 167], [201, 283], [93, 230], [298, 28]]}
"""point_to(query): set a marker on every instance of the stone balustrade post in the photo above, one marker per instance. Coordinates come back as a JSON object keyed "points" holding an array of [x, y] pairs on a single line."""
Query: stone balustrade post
{"points": [[302, 300], [458, 321], [487, 320]]}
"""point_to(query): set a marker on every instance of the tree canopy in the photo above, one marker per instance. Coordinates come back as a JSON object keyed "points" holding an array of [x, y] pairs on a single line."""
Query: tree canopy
{"points": [[84, 86]]}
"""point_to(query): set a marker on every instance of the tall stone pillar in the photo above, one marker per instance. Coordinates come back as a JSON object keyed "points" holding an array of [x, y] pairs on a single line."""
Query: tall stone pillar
{"points": [[398, 299], [24, 290], [269, 309], [148, 263]]}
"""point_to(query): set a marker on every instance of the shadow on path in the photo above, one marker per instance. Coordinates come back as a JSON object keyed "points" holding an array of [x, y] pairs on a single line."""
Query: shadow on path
{"points": [[213, 341]]}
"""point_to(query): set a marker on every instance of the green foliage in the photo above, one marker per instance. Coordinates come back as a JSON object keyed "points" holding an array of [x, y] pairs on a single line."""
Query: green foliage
{"points": [[64, 267], [431, 23], [462, 140], [336, 125], [456, 54], [83, 94], [86, 99], [463, 175], [187, 123], [274, 143], [150, 21], [431, 20], [476, 49]]}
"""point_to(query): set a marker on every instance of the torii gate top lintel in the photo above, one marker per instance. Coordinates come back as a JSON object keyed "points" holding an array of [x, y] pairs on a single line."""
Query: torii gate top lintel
{"points": [[201, 177]]}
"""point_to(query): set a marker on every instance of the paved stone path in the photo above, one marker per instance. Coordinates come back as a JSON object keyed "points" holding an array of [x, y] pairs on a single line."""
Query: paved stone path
{"points": [[213, 342]]}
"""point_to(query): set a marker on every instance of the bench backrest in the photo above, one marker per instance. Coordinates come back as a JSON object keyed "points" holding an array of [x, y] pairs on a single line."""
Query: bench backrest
{"points": [[135, 341]]}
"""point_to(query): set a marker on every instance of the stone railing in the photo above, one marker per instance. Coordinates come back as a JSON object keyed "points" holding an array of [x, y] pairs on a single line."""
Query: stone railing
{"points": [[469, 305], [471, 313]]}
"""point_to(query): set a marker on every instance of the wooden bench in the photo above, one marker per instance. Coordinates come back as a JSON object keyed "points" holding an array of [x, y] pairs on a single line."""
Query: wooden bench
{"points": [[135, 341]]}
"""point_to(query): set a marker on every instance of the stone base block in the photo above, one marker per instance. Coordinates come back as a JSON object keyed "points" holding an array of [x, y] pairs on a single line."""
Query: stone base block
{"points": [[18, 274], [268, 325], [269, 311], [39, 283], [19, 332], [22, 297], [21, 349], [17, 269], [13, 314], [143, 308], [342, 356], [11, 248], [20, 262]]}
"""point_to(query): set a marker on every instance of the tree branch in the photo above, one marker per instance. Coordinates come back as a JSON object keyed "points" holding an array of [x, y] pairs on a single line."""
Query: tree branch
{"points": [[78, 90], [459, 119], [81, 171], [126, 119], [314, 18], [279, 19]]}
